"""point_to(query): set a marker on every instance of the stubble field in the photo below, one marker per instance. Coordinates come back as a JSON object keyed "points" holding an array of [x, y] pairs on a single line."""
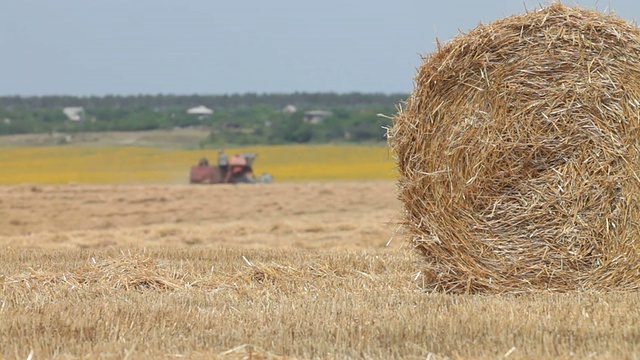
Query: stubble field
{"points": [[285, 270], [108, 253]]}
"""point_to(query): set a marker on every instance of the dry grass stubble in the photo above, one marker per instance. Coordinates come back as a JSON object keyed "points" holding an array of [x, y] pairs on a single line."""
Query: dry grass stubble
{"points": [[332, 291], [306, 215], [307, 304]]}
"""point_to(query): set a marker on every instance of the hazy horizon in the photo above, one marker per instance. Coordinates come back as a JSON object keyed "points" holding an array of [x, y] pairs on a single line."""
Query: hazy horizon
{"points": [[123, 47]]}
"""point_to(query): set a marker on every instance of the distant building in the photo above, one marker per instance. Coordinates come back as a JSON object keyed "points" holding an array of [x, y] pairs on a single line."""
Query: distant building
{"points": [[74, 113], [201, 111], [315, 116], [289, 109]]}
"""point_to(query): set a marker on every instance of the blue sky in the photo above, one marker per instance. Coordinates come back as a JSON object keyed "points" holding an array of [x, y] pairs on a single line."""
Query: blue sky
{"points": [[123, 47]]}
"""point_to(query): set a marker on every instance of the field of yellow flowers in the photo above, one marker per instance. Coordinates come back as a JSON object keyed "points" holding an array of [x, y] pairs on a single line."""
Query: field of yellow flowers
{"points": [[111, 165]]}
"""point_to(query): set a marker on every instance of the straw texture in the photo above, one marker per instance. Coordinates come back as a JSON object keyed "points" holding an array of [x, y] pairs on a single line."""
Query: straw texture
{"points": [[518, 155]]}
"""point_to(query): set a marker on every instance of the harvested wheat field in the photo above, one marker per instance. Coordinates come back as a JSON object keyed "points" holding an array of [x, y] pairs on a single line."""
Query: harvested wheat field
{"points": [[286, 270], [279, 215]]}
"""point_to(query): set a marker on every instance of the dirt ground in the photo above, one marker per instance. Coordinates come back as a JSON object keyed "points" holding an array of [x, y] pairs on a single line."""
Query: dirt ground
{"points": [[321, 215]]}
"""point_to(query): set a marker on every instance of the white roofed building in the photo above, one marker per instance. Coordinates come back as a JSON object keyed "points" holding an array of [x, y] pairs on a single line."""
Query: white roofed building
{"points": [[289, 109], [74, 113], [315, 116], [200, 111]]}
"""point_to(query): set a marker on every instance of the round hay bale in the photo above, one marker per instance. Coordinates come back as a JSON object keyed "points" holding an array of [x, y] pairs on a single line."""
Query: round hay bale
{"points": [[518, 155]]}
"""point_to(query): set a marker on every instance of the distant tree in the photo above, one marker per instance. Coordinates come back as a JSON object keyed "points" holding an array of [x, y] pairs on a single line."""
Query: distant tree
{"points": [[258, 115]]}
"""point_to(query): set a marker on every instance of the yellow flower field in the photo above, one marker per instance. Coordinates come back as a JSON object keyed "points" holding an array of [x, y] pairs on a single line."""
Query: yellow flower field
{"points": [[103, 165]]}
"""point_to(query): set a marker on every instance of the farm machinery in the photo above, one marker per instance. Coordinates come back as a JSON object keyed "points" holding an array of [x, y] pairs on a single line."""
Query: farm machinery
{"points": [[234, 170]]}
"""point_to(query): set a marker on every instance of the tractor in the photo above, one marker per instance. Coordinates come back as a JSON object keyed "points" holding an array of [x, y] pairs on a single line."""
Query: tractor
{"points": [[237, 169]]}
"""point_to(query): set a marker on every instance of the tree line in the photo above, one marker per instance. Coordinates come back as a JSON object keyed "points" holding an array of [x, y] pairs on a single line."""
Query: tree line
{"points": [[226, 101], [238, 119]]}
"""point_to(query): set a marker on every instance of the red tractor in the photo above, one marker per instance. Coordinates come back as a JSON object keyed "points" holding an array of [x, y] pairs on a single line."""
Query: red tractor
{"points": [[238, 169]]}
